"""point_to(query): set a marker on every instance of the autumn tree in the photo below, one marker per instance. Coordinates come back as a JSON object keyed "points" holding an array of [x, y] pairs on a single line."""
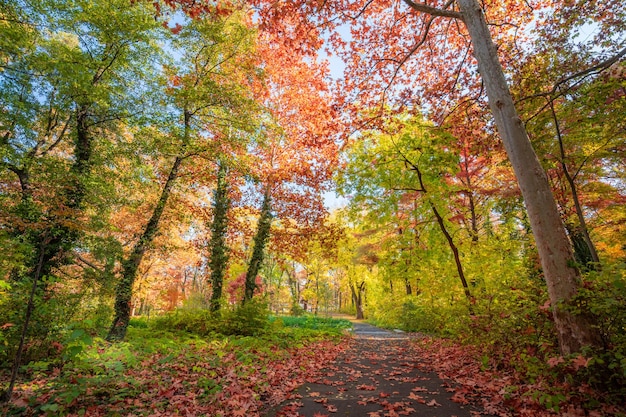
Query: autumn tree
{"points": [[385, 58], [400, 172], [571, 84], [296, 159], [208, 90], [67, 91]]}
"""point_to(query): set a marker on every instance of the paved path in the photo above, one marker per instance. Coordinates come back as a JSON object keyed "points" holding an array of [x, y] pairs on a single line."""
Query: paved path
{"points": [[375, 377]]}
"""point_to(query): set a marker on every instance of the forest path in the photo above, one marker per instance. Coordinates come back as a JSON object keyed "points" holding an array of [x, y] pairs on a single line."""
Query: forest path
{"points": [[376, 376]]}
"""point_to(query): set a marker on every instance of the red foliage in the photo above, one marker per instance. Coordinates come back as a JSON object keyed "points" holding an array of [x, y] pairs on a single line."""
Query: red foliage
{"points": [[235, 288]]}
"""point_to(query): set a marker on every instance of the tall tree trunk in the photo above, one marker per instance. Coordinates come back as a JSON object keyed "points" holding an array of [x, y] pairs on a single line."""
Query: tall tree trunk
{"points": [[130, 265], [574, 330], [260, 240], [219, 251], [457, 258]]}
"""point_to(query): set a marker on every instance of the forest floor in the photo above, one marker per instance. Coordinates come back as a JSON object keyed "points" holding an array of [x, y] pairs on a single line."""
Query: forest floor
{"points": [[386, 373], [291, 373]]}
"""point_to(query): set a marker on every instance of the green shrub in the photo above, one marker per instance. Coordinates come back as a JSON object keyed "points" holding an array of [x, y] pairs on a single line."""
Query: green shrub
{"points": [[250, 319], [201, 322]]}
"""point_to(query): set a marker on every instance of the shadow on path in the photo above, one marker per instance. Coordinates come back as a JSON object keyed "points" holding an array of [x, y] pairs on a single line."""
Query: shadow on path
{"points": [[377, 376]]}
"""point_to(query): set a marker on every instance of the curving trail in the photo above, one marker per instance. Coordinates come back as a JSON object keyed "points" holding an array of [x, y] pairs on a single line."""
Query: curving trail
{"points": [[377, 376]]}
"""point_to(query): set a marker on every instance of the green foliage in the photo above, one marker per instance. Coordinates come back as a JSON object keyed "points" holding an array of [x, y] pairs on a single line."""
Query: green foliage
{"points": [[296, 310], [315, 322], [249, 319], [49, 323], [603, 297]]}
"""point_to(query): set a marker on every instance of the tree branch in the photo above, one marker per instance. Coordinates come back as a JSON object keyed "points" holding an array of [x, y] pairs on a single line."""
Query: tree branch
{"points": [[88, 263], [434, 11]]}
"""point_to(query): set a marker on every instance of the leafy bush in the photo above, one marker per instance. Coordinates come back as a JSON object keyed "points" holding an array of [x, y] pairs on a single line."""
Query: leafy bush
{"points": [[603, 298], [250, 319], [201, 322]]}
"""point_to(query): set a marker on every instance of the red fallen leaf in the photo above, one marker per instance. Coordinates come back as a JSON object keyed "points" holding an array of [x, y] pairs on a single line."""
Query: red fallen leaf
{"points": [[580, 362], [419, 389], [321, 400], [331, 408], [460, 398], [373, 414], [552, 362], [417, 398], [21, 402], [314, 394], [319, 415], [240, 413], [433, 403], [384, 395], [366, 387]]}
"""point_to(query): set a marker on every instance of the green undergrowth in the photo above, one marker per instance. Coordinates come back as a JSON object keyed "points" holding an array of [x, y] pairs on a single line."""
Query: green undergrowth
{"points": [[252, 319], [180, 347], [316, 323]]}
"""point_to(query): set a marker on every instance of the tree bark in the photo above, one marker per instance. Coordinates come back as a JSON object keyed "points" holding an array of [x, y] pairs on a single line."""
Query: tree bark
{"points": [[219, 251], [573, 330], [357, 299], [260, 240], [457, 258], [124, 289]]}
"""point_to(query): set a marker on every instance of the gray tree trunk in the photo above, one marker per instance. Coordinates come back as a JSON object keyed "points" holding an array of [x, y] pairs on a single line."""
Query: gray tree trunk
{"points": [[562, 279]]}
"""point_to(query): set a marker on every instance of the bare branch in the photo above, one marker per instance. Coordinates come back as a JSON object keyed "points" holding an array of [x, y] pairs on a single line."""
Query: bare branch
{"points": [[553, 95], [89, 264], [434, 11], [596, 68]]}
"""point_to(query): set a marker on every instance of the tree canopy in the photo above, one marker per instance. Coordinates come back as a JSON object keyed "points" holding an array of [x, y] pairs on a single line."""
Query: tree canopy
{"points": [[174, 156]]}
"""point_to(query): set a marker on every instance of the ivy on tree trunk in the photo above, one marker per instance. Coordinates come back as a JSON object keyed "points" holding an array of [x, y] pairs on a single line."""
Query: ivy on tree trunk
{"points": [[219, 250], [124, 289], [260, 240]]}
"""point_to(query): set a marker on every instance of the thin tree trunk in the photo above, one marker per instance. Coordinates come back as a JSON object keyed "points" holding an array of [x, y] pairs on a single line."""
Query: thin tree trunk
{"points": [[457, 258], [58, 237], [260, 240], [124, 289], [219, 251], [17, 361], [579, 211], [574, 331]]}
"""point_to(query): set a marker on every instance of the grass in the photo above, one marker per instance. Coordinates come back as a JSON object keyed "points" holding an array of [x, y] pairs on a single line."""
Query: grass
{"points": [[316, 323]]}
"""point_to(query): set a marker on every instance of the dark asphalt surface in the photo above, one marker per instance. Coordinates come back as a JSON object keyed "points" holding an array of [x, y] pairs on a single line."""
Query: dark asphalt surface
{"points": [[375, 377]]}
